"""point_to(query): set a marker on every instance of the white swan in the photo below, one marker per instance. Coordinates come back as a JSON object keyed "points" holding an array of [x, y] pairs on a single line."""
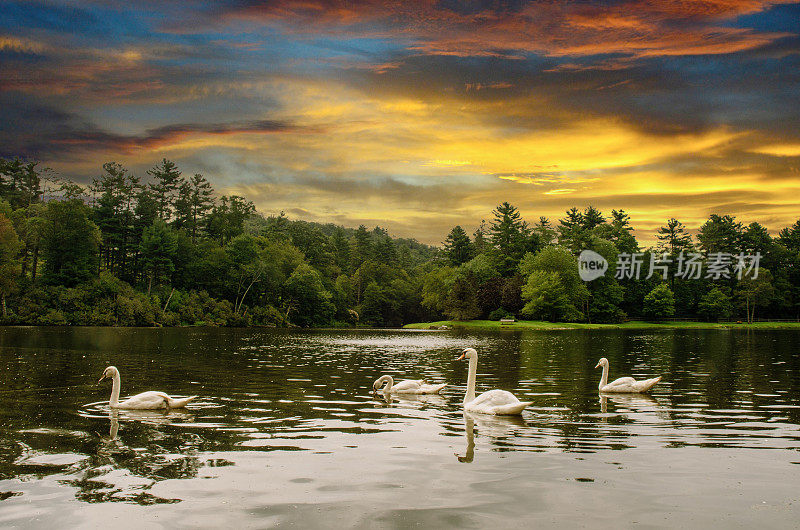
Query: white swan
{"points": [[493, 401], [146, 400], [625, 385], [409, 386]]}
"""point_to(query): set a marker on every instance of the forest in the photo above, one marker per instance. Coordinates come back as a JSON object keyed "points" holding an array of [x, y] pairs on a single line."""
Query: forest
{"points": [[167, 250]]}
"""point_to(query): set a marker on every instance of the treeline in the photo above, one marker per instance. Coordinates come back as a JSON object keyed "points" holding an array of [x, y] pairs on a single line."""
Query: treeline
{"points": [[511, 267], [167, 250]]}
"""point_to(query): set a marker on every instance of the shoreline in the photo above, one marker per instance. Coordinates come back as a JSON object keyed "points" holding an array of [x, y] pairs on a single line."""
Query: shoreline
{"points": [[633, 324]]}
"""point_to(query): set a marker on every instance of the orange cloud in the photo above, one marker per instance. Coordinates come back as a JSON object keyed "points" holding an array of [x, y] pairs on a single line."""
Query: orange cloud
{"points": [[639, 28]]}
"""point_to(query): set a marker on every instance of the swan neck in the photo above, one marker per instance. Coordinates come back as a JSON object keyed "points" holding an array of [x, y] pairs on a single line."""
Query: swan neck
{"points": [[114, 401], [604, 378], [389, 383], [473, 371]]}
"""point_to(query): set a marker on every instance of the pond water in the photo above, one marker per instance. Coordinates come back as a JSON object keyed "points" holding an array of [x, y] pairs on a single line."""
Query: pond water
{"points": [[286, 431]]}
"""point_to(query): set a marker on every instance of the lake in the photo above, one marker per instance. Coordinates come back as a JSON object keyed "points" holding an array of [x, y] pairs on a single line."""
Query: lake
{"points": [[287, 431]]}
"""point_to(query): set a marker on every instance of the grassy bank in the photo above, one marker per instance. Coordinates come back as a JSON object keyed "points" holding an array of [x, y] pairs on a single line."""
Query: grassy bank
{"points": [[634, 324]]}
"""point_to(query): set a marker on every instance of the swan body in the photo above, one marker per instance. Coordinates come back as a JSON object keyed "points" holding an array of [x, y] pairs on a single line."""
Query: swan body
{"points": [[145, 401], [623, 385], [499, 402], [408, 386]]}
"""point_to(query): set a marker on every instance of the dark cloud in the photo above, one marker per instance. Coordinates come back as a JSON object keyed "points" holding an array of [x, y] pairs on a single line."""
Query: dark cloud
{"points": [[36, 130]]}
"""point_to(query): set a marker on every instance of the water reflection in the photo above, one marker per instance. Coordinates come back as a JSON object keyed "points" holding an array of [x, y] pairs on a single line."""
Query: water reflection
{"points": [[469, 428], [290, 423]]}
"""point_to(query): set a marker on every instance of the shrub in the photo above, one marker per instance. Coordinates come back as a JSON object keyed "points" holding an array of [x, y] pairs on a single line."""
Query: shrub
{"points": [[659, 303], [498, 313]]}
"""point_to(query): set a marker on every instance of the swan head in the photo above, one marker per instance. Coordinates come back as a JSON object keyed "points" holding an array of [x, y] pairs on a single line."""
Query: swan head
{"points": [[379, 382], [108, 373], [602, 362], [467, 353]]}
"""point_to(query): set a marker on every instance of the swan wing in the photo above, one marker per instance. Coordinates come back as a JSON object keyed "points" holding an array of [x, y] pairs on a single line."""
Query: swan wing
{"points": [[409, 386], [647, 384], [146, 400], [177, 403], [431, 389], [622, 381], [496, 402], [630, 385]]}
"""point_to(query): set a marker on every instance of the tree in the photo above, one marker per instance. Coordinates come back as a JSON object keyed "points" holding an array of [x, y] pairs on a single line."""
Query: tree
{"points": [[457, 246], [9, 263], [462, 302], [508, 233], [362, 247], [30, 224], [560, 261], [248, 266], [755, 292], [790, 237], [571, 232], [227, 218], [112, 212], [546, 298], [20, 182], [673, 237], [193, 204], [715, 305], [480, 242], [659, 303], [592, 218], [674, 240], [721, 233], [166, 183], [620, 232], [70, 244], [158, 248], [544, 229], [308, 303]]}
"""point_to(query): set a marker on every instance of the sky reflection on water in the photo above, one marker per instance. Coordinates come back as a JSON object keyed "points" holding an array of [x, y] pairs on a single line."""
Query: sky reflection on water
{"points": [[287, 430]]}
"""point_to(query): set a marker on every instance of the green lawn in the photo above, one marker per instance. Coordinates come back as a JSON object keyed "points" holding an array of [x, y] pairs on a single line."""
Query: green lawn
{"points": [[634, 324]]}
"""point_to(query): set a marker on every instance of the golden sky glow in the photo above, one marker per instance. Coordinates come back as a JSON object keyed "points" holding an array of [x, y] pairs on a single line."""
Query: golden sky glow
{"points": [[417, 117]]}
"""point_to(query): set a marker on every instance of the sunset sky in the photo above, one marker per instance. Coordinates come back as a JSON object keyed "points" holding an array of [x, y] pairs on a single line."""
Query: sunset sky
{"points": [[418, 116]]}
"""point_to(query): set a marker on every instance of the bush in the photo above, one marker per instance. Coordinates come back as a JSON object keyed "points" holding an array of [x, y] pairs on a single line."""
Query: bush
{"points": [[715, 305], [659, 303], [266, 316], [498, 314]]}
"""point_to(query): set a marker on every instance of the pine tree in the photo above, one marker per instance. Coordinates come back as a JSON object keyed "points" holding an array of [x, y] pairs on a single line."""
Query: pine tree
{"points": [[158, 247], [673, 237], [571, 232], [166, 183], [193, 204], [508, 234], [457, 246], [544, 229], [592, 218]]}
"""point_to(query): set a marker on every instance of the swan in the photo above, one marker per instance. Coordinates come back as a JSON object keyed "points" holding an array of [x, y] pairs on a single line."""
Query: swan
{"points": [[493, 401], [409, 386], [627, 385], [145, 400]]}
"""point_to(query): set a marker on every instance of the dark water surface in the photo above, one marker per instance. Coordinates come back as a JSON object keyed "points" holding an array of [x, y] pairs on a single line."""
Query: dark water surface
{"points": [[287, 433]]}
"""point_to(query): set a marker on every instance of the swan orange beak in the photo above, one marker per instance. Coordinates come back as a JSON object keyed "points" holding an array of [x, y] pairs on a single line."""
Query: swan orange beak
{"points": [[597, 365], [101, 379], [462, 356]]}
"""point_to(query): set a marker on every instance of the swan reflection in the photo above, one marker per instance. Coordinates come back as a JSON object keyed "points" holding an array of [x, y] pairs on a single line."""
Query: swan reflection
{"points": [[469, 427], [422, 399], [633, 402], [496, 427]]}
